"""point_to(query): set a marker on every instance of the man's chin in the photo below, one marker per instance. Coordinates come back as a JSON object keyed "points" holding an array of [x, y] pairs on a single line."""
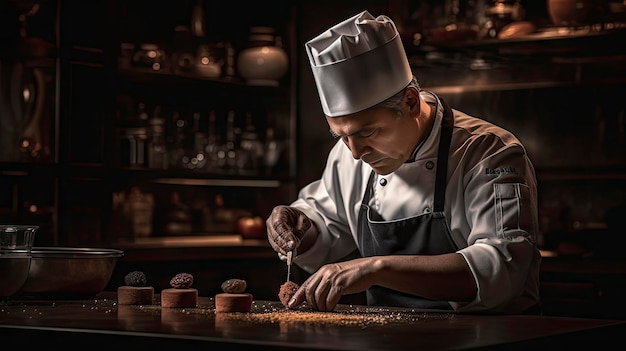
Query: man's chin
{"points": [[382, 170]]}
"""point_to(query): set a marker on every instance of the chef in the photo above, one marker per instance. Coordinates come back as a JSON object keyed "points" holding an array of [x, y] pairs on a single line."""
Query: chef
{"points": [[419, 205]]}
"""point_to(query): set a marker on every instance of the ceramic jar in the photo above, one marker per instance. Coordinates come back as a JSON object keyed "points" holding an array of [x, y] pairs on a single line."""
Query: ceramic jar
{"points": [[265, 62], [568, 13]]}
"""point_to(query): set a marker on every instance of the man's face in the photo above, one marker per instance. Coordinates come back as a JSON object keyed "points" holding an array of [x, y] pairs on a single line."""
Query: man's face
{"points": [[378, 136]]}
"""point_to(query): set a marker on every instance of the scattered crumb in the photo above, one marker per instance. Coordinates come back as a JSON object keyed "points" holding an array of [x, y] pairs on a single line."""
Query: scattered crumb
{"points": [[346, 316]]}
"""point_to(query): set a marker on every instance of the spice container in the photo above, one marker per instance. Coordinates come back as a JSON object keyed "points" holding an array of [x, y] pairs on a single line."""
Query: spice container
{"points": [[150, 57]]}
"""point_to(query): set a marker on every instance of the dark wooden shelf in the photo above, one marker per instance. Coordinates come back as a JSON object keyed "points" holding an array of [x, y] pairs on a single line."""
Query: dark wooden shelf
{"points": [[167, 78], [545, 41], [549, 58]]}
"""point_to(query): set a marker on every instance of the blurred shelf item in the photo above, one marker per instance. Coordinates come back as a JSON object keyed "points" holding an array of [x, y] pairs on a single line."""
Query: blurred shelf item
{"points": [[550, 57]]}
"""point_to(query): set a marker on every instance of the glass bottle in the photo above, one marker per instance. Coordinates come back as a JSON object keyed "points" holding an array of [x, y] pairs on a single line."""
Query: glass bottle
{"points": [[227, 154], [211, 147], [177, 150], [197, 158], [251, 151], [271, 151], [157, 148], [138, 137], [198, 20]]}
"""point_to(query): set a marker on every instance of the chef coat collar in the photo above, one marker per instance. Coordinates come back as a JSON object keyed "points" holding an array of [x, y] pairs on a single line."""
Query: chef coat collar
{"points": [[434, 102]]}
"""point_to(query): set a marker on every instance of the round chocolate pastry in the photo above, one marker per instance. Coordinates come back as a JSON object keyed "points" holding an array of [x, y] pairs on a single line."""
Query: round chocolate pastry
{"points": [[181, 294], [233, 299], [287, 291], [135, 292]]}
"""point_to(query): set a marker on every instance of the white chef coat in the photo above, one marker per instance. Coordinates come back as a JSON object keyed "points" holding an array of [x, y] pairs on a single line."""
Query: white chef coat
{"points": [[490, 205]]}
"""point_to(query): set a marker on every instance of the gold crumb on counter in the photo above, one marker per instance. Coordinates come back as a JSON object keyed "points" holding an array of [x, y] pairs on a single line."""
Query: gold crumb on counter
{"points": [[341, 318]]}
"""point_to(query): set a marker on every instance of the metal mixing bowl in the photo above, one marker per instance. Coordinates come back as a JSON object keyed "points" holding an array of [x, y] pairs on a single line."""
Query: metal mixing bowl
{"points": [[13, 273], [69, 272], [16, 242]]}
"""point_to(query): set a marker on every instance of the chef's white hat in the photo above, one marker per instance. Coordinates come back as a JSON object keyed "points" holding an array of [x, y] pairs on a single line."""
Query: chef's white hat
{"points": [[358, 63]]}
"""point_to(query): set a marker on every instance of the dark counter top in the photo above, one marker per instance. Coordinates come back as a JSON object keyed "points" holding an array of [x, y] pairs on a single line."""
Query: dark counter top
{"points": [[101, 324]]}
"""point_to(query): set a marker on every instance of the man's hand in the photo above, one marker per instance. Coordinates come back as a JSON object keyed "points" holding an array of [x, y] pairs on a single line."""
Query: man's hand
{"points": [[323, 289], [286, 226]]}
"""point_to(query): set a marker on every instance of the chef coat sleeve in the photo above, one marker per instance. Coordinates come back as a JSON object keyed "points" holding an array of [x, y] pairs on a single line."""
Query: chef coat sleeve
{"points": [[326, 202], [500, 204]]}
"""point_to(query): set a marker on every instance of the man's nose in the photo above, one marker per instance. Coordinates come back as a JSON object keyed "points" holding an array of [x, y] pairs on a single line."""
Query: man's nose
{"points": [[357, 148]]}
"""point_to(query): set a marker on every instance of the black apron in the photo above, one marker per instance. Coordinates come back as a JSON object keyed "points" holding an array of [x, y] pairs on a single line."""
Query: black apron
{"points": [[424, 234]]}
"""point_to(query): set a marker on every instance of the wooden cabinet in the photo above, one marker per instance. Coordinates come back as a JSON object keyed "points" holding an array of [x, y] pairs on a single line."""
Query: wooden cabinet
{"points": [[56, 173], [109, 58], [181, 77]]}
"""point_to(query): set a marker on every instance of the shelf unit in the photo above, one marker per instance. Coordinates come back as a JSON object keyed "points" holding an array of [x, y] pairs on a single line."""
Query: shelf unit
{"points": [[73, 192], [193, 97]]}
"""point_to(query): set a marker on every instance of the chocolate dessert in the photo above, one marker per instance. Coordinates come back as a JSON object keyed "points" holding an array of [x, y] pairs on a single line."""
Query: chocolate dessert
{"points": [[234, 298], [136, 291], [181, 294], [287, 291]]}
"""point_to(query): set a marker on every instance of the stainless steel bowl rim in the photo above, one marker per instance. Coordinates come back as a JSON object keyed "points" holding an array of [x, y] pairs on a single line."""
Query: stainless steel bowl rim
{"points": [[15, 227], [74, 252], [14, 252]]}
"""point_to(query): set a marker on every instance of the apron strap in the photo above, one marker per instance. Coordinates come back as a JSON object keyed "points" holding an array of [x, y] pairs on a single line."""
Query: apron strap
{"points": [[441, 179]]}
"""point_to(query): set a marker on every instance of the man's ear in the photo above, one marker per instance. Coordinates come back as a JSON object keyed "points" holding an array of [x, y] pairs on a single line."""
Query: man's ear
{"points": [[412, 100]]}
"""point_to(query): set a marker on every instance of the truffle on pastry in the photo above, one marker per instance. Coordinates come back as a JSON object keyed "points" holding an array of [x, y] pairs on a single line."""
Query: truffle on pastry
{"points": [[136, 291], [234, 298], [234, 286], [181, 294]]}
